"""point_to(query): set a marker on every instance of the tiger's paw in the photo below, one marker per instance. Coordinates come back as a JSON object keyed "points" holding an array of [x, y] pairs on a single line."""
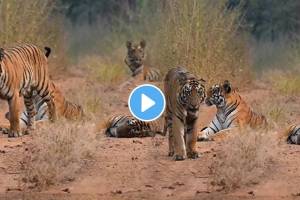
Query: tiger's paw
{"points": [[178, 158], [193, 155], [5, 130], [15, 134]]}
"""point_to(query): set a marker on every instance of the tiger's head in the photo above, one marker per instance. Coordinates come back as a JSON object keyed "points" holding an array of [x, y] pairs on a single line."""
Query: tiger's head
{"points": [[216, 95], [135, 55], [192, 94]]}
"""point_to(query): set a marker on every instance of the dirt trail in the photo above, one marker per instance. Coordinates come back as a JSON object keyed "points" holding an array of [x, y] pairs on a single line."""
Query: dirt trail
{"points": [[140, 168]]}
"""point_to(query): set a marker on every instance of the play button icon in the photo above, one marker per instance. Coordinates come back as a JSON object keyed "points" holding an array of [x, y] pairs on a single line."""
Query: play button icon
{"points": [[146, 102]]}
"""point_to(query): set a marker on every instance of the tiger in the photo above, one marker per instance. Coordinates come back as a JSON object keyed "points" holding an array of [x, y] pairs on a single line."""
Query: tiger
{"points": [[292, 134], [125, 126], [24, 72], [232, 111], [135, 61], [184, 93]]}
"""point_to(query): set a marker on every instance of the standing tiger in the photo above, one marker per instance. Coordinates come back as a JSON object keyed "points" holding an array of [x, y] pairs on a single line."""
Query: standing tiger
{"points": [[122, 126], [232, 111], [184, 93], [135, 61], [24, 72], [63, 107]]}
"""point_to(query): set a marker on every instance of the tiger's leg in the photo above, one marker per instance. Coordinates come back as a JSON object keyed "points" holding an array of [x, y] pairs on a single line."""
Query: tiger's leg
{"points": [[30, 110], [14, 110], [191, 140], [49, 99], [179, 143], [168, 128]]}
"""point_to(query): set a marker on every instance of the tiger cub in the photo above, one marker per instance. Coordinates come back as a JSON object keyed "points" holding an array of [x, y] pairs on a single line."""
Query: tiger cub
{"points": [[232, 111], [184, 93], [135, 61], [122, 126]]}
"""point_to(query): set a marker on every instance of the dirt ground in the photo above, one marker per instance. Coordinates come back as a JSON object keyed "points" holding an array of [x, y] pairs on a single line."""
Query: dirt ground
{"points": [[139, 168]]}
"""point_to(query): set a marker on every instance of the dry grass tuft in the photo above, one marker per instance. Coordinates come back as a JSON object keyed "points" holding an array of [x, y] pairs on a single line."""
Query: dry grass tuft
{"points": [[57, 152], [243, 159]]}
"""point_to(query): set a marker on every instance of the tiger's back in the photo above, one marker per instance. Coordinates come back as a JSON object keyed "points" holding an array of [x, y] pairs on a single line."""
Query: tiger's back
{"points": [[245, 116]]}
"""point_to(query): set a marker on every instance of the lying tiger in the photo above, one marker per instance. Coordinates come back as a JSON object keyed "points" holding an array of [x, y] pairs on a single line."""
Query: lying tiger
{"points": [[135, 61], [292, 135], [123, 126], [232, 111], [63, 107]]}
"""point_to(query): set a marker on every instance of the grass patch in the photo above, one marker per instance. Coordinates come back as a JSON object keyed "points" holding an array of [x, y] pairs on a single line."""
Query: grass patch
{"points": [[57, 152], [243, 160], [104, 70]]}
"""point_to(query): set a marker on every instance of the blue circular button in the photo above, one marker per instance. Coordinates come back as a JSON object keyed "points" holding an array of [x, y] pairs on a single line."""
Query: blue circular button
{"points": [[146, 102]]}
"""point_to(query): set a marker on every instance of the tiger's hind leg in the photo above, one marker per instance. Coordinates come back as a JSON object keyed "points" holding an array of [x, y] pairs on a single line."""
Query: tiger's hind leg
{"points": [[30, 111], [14, 110], [49, 100]]}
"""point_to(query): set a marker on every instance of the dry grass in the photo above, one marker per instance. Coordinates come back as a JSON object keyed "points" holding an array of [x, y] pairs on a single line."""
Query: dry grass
{"points": [[243, 159], [57, 152], [286, 83], [33, 21], [203, 36], [104, 70]]}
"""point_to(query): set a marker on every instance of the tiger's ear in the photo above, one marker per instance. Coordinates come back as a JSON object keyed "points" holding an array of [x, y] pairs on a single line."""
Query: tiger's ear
{"points": [[128, 44], [143, 43], [227, 86], [1, 54]]}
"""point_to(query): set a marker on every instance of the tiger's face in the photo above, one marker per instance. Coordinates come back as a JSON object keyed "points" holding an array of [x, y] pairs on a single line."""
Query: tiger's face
{"points": [[135, 55], [192, 94], [216, 95]]}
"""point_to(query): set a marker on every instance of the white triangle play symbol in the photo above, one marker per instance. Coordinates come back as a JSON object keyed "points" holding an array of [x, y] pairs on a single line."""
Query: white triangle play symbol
{"points": [[146, 103]]}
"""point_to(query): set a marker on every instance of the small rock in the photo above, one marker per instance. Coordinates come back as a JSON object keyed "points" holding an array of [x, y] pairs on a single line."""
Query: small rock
{"points": [[2, 151], [66, 190], [117, 192], [251, 193], [150, 186]]}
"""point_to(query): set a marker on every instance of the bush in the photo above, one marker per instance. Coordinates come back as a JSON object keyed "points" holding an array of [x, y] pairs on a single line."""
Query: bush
{"points": [[203, 36], [243, 159], [57, 152]]}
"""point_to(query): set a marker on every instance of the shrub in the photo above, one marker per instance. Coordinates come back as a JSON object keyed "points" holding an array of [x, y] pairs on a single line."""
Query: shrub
{"points": [[203, 36], [243, 159], [56, 153]]}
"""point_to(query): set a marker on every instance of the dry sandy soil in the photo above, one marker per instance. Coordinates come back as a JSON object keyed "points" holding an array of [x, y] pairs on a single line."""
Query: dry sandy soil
{"points": [[139, 168]]}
